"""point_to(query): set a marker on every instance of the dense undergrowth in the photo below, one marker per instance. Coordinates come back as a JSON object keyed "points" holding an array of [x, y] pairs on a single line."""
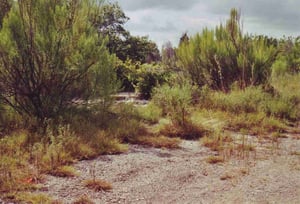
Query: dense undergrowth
{"points": [[215, 83], [85, 133]]}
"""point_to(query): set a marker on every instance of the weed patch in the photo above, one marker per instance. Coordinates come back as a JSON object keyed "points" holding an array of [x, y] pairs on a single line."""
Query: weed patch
{"points": [[64, 171], [215, 159], [98, 185], [159, 141], [83, 200], [188, 131]]}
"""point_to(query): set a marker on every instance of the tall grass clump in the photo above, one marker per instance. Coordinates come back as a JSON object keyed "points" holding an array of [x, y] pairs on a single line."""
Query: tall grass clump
{"points": [[239, 101], [176, 103], [14, 166], [279, 104], [150, 113]]}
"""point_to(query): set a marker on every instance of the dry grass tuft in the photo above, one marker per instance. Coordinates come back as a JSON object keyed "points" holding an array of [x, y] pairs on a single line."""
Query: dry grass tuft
{"points": [[83, 200], [216, 141], [64, 171], [226, 176], [159, 141], [98, 185], [215, 159], [188, 131], [27, 197]]}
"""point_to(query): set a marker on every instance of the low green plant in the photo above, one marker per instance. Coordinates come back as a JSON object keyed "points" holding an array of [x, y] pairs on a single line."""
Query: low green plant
{"points": [[106, 144], [255, 123], [28, 197], [239, 101], [14, 166], [175, 101], [150, 113]]}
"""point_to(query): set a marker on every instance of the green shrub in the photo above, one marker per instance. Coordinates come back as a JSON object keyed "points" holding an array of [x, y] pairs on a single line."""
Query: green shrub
{"points": [[150, 113], [239, 101], [281, 107], [175, 101], [255, 123], [103, 143]]}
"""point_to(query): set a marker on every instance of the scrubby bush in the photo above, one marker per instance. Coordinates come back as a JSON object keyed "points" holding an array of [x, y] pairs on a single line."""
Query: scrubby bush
{"points": [[239, 101], [150, 113], [139, 77], [175, 101]]}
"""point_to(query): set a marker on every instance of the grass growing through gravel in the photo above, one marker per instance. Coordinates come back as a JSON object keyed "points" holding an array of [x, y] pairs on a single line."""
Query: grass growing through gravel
{"points": [[159, 141], [27, 197], [83, 200], [64, 171], [97, 185], [215, 159]]}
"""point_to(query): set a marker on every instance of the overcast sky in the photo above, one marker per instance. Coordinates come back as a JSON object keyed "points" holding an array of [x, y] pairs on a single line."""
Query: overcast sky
{"points": [[167, 20]]}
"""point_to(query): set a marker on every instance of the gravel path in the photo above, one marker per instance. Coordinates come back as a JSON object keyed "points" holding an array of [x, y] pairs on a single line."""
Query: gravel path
{"points": [[150, 175]]}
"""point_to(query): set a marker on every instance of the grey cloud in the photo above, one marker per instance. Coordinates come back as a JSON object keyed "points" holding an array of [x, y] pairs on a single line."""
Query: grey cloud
{"points": [[277, 14], [165, 20], [133, 5]]}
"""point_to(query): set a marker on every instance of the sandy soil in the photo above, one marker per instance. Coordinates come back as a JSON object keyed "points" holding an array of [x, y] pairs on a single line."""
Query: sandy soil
{"points": [[150, 175]]}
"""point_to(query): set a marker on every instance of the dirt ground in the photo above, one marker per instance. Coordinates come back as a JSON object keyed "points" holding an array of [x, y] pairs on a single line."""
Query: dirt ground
{"points": [[271, 174]]}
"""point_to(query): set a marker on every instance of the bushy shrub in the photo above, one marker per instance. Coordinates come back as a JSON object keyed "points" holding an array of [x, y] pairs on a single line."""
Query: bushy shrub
{"points": [[140, 77], [150, 113], [239, 101], [174, 101], [281, 107]]}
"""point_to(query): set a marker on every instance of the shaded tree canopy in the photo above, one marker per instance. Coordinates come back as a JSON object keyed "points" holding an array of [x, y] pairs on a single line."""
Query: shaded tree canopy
{"points": [[109, 21]]}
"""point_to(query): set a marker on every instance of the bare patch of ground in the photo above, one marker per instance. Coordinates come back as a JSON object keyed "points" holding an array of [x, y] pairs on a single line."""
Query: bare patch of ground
{"points": [[148, 175]]}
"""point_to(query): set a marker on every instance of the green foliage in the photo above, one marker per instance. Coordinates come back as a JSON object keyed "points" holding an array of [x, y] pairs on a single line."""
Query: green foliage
{"points": [[109, 20], [33, 198], [220, 57], [255, 100], [255, 123], [150, 113], [169, 59], [13, 162], [106, 144], [239, 101], [5, 6], [41, 69], [140, 77], [279, 68], [10, 120], [175, 101]]}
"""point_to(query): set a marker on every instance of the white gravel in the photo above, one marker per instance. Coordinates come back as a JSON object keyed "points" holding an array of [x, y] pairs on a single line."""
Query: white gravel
{"points": [[150, 175]]}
